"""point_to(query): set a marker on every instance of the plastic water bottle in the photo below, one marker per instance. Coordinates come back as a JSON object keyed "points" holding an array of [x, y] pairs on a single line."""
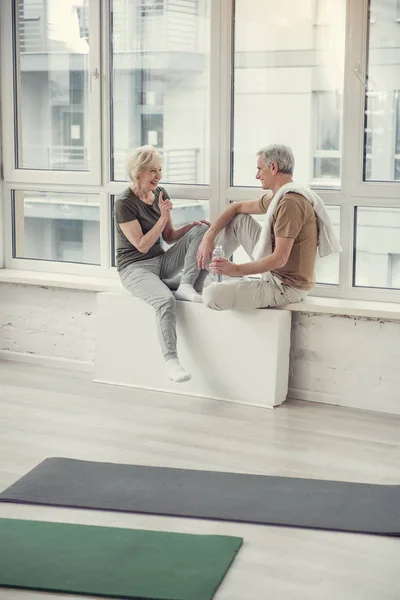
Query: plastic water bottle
{"points": [[218, 253]]}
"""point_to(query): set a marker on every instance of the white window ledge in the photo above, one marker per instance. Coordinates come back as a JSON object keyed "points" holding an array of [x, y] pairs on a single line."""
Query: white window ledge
{"points": [[312, 304], [349, 308], [61, 280]]}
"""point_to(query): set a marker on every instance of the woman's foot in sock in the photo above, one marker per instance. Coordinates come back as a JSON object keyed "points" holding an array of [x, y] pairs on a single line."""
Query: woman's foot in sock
{"points": [[176, 372], [187, 292]]}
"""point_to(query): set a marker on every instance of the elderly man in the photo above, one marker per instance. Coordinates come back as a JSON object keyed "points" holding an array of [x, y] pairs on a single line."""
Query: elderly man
{"points": [[282, 251]]}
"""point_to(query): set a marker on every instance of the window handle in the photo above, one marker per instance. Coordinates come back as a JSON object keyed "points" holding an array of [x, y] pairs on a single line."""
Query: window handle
{"points": [[93, 75]]}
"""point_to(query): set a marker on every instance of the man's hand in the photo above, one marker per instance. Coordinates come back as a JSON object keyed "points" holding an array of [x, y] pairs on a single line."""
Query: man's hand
{"points": [[222, 266], [165, 206], [204, 251]]}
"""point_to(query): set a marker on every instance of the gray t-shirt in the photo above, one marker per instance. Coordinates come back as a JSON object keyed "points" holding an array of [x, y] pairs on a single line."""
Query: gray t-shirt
{"points": [[128, 207]]}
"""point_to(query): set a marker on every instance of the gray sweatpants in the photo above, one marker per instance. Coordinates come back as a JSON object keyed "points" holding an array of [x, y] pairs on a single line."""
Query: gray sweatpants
{"points": [[245, 293], [145, 280]]}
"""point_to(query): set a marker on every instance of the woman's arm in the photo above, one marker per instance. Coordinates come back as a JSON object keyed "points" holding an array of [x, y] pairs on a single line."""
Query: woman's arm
{"points": [[143, 242], [170, 234], [134, 233]]}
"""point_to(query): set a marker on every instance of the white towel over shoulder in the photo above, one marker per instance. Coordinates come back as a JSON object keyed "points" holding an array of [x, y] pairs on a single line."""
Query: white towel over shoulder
{"points": [[327, 240]]}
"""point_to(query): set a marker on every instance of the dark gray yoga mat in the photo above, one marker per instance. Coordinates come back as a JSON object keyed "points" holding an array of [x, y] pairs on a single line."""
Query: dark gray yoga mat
{"points": [[312, 503]]}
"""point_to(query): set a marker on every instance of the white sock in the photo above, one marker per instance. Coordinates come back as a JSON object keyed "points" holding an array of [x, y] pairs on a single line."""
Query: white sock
{"points": [[187, 292], [176, 372]]}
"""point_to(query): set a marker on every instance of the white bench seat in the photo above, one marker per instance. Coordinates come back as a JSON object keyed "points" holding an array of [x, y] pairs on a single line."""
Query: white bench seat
{"points": [[237, 356]]}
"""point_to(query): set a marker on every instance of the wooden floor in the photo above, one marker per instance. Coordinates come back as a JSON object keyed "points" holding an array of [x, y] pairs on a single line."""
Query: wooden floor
{"points": [[54, 412]]}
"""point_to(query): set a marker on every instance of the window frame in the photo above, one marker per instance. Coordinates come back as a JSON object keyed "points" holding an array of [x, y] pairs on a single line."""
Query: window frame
{"points": [[8, 10], [353, 192]]}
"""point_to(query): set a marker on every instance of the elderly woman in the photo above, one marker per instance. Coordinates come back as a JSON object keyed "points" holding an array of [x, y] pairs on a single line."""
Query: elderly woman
{"points": [[142, 217]]}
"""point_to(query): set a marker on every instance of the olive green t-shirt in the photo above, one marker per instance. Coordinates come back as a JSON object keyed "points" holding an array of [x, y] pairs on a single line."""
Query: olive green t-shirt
{"points": [[129, 207], [294, 217]]}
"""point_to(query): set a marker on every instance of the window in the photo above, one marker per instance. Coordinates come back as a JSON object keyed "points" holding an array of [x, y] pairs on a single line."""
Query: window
{"points": [[161, 85], [381, 145], [327, 154], [208, 83], [150, 8], [52, 81], [283, 57], [377, 247], [53, 226]]}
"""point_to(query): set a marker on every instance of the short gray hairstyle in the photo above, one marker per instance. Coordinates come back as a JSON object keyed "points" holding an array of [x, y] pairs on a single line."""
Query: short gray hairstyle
{"points": [[141, 159], [281, 155]]}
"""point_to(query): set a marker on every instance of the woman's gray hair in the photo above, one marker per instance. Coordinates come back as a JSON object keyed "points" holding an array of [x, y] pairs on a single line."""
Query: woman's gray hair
{"points": [[142, 158], [281, 155]]}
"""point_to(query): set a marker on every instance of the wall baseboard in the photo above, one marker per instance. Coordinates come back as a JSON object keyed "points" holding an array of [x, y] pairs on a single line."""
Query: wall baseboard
{"points": [[88, 367], [311, 396], [47, 361]]}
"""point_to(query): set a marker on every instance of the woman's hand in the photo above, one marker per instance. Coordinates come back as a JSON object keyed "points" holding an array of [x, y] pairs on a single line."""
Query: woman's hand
{"points": [[165, 207], [223, 266], [202, 222]]}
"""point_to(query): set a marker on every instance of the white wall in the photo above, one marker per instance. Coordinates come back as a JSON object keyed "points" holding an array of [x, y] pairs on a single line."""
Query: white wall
{"points": [[333, 358], [346, 360], [47, 322]]}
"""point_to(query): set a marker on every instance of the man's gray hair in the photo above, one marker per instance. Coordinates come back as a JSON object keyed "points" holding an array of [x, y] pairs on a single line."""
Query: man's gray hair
{"points": [[281, 155]]}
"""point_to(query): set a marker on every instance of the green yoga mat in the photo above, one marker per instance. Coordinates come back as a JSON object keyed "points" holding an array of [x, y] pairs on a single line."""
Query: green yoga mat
{"points": [[113, 562]]}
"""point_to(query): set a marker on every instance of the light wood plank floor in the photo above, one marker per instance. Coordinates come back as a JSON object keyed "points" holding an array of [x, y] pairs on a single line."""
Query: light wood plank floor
{"points": [[55, 412]]}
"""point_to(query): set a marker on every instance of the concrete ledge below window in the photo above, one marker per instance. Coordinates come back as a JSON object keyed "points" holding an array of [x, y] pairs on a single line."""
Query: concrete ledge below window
{"points": [[348, 308], [312, 304]]}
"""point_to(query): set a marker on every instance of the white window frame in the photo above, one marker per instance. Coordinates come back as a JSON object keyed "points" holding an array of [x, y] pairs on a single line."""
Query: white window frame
{"points": [[354, 191], [9, 100]]}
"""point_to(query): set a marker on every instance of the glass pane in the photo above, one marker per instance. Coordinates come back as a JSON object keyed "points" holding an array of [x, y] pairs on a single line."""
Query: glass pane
{"points": [[378, 247], [327, 268], [382, 111], [52, 47], [183, 212], [161, 85], [328, 168], [56, 226], [288, 85]]}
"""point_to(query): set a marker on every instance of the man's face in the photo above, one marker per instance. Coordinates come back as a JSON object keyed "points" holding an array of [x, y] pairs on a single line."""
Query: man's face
{"points": [[264, 173]]}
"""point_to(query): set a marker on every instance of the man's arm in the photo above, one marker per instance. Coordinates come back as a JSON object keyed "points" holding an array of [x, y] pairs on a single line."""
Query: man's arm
{"points": [[248, 207], [276, 260]]}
